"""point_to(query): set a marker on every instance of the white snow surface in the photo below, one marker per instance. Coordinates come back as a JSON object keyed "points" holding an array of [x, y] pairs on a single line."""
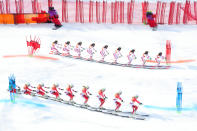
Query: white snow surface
{"points": [[156, 88]]}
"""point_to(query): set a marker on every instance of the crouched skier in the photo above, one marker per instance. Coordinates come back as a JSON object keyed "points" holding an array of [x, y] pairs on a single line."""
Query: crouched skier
{"points": [[40, 90], [27, 90], [118, 100], [101, 96], [85, 94], [133, 104], [54, 91], [69, 92]]}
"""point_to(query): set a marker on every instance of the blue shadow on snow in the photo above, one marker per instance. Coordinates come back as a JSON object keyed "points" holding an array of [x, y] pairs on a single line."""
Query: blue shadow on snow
{"points": [[170, 108], [26, 102]]}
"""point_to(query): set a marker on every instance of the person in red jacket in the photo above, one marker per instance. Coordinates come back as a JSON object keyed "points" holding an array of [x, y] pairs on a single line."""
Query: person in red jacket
{"points": [[85, 94], [27, 90], [101, 96], [133, 103], [118, 100], [54, 90], [40, 90], [56, 21], [69, 92], [151, 20]]}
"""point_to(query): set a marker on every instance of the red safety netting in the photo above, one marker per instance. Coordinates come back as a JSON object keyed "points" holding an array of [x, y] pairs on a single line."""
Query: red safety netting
{"points": [[128, 12]]}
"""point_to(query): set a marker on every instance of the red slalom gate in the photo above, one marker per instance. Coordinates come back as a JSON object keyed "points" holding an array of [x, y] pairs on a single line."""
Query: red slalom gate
{"points": [[33, 45], [168, 51]]}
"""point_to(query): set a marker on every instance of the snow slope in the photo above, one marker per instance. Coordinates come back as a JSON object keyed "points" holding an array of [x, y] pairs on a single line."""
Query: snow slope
{"points": [[156, 88]]}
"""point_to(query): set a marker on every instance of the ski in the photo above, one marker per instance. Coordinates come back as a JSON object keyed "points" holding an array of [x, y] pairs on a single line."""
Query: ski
{"points": [[118, 64], [88, 107]]}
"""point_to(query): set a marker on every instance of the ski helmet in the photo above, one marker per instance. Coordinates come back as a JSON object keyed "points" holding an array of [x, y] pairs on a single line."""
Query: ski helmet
{"points": [[106, 46], [120, 92], [71, 85], [119, 48], [56, 84], [79, 43], [28, 84], [103, 89], [93, 44], [55, 42], [148, 13], [42, 84], [68, 42], [160, 54], [133, 50], [87, 87], [136, 96], [146, 52]]}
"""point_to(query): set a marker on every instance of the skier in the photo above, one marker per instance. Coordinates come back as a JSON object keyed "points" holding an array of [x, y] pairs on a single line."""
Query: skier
{"points": [[27, 90], [131, 56], [117, 54], [66, 49], [40, 89], [91, 50], [101, 96], [104, 52], [85, 94], [133, 105], [53, 17], [159, 58], [151, 20], [145, 57], [56, 21], [54, 50], [69, 92], [78, 49], [118, 100], [52, 12], [54, 90]]}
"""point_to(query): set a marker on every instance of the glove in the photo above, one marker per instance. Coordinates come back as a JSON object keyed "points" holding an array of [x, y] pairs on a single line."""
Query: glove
{"points": [[122, 100], [140, 103]]}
